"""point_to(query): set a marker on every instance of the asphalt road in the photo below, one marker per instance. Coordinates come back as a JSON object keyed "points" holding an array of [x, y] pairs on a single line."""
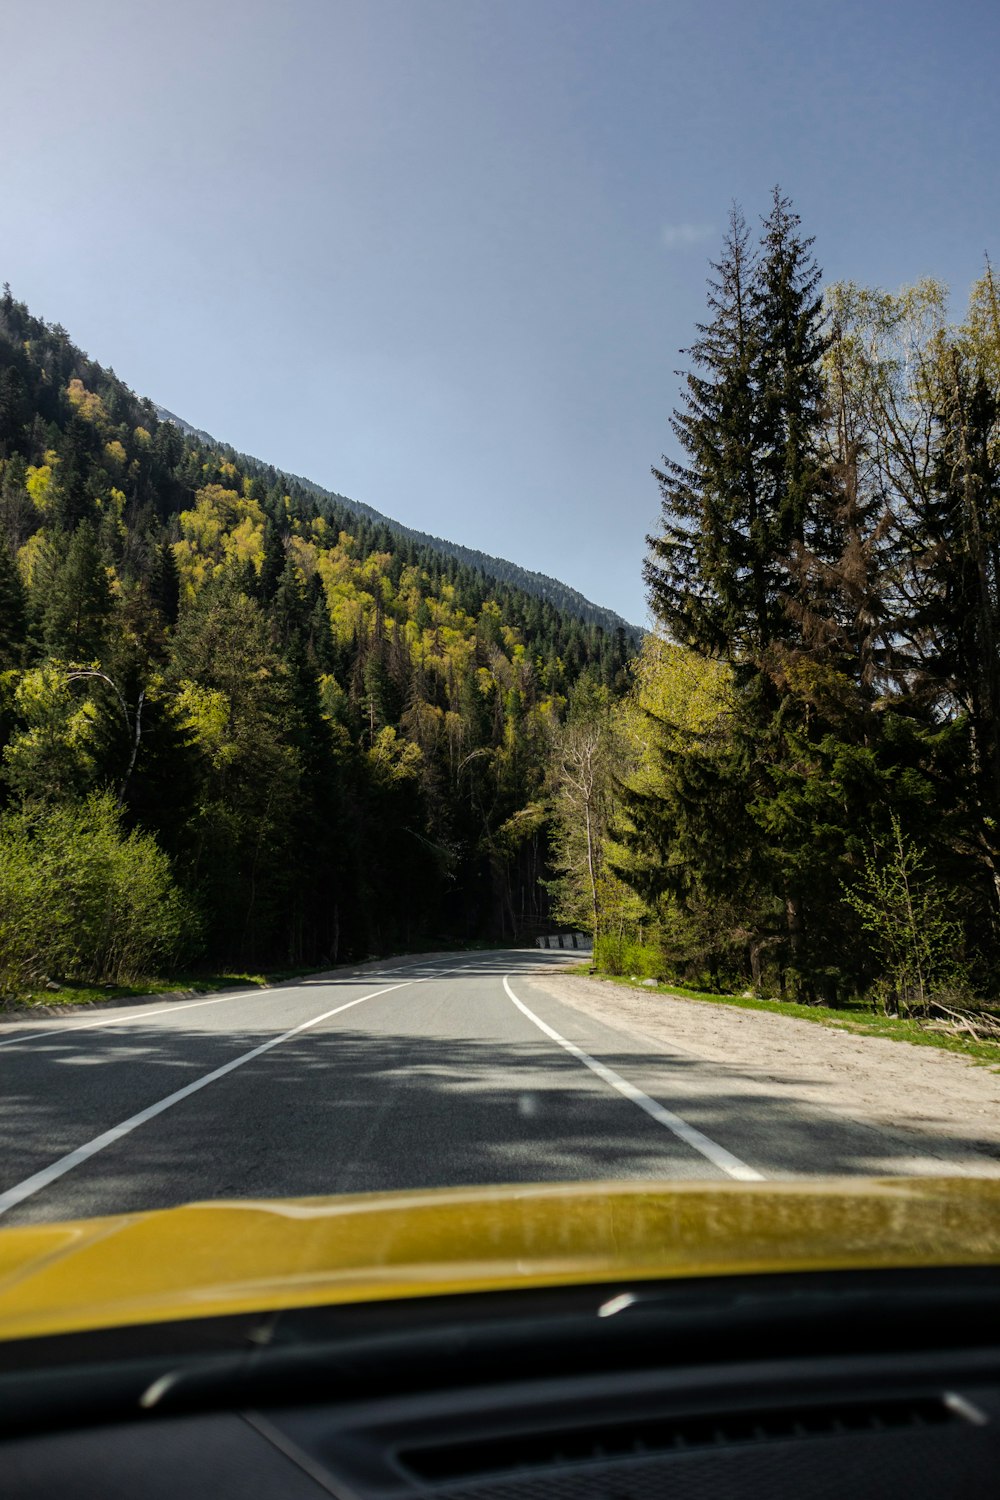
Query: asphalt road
{"points": [[415, 1074]]}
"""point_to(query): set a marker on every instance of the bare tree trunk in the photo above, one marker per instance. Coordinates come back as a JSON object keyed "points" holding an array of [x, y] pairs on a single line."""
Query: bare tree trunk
{"points": [[793, 919], [590, 866]]}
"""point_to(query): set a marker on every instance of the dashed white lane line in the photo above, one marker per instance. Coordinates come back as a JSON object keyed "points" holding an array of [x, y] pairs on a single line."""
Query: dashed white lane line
{"points": [[39, 1180], [689, 1134]]}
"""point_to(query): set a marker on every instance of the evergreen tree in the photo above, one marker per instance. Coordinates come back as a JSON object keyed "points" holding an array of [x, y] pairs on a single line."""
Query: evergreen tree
{"points": [[321, 648], [13, 613], [736, 513], [165, 583], [13, 410], [273, 563], [705, 578], [955, 587], [76, 449], [77, 608], [289, 611], [736, 507], [790, 397]]}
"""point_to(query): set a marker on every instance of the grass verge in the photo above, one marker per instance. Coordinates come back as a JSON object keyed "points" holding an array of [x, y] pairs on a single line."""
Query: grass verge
{"points": [[854, 1016], [73, 993]]}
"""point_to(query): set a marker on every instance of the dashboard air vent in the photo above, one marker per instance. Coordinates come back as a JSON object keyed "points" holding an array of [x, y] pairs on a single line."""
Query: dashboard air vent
{"points": [[640, 1438]]}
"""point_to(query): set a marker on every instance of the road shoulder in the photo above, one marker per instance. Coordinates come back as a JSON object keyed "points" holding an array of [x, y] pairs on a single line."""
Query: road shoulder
{"points": [[913, 1093]]}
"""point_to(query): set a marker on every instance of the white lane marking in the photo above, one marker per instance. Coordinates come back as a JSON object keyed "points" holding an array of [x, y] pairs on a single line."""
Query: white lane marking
{"points": [[689, 1134], [34, 1036], [57, 1169], [178, 1005]]}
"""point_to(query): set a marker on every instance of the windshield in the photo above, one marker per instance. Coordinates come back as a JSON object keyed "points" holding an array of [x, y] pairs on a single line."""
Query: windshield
{"points": [[401, 787]]}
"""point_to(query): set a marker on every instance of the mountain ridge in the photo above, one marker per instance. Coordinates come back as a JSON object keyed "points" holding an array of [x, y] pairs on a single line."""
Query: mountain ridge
{"points": [[541, 585]]}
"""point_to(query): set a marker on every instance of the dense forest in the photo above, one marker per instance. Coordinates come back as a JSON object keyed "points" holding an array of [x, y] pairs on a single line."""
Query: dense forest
{"points": [[801, 792], [241, 723]]}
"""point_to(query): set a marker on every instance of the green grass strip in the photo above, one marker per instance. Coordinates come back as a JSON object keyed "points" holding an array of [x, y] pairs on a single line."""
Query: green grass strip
{"points": [[855, 1017]]}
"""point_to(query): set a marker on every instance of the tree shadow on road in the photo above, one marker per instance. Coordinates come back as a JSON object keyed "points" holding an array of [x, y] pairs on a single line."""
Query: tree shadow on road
{"points": [[351, 1110]]}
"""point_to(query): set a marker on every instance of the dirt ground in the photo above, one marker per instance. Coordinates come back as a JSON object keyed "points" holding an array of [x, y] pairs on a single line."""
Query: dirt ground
{"points": [[911, 1092]]}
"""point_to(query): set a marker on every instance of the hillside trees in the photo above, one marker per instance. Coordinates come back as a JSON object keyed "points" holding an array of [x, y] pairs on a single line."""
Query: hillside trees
{"points": [[13, 614], [334, 731]]}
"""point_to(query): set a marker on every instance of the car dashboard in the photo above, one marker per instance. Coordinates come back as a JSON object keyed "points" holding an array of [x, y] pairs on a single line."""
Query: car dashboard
{"points": [[822, 1384]]}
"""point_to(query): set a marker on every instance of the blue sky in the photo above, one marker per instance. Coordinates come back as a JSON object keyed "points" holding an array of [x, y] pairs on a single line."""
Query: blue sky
{"points": [[441, 255]]}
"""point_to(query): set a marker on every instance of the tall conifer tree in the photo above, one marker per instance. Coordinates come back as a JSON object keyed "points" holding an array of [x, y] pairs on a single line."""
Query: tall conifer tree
{"points": [[78, 607], [955, 587], [735, 512], [704, 587], [13, 615]]}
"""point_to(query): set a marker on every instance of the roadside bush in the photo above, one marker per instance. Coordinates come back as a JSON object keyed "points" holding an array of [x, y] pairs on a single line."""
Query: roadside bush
{"points": [[622, 955], [82, 899], [905, 915]]}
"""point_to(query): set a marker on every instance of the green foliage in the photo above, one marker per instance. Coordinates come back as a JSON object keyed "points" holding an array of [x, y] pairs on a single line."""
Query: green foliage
{"points": [[617, 955], [736, 507], [904, 912], [52, 752], [583, 757], [75, 602], [80, 897], [13, 614], [336, 728], [827, 564]]}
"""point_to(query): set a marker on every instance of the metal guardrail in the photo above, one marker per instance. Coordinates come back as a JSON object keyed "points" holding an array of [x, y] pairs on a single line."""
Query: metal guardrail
{"points": [[565, 940]]}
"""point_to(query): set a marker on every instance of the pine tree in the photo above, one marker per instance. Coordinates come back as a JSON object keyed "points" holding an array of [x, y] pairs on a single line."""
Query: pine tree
{"points": [[13, 410], [74, 502], [706, 569], [165, 583], [954, 586], [13, 613], [78, 606], [789, 315], [735, 509], [289, 610], [321, 649], [736, 513], [273, 564]]}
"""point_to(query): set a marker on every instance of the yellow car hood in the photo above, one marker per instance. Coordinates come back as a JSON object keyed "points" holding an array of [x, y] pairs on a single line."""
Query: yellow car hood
{"points": [[211, 1259]]}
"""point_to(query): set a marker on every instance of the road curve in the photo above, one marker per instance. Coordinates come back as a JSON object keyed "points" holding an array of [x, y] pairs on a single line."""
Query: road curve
{"points": [[417, 1073]]}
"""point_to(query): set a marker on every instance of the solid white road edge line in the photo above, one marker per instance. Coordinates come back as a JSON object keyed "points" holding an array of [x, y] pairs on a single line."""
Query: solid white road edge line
{"points": [[175, 1007], [689, 1134], [57, 1169], [179, 1005]]}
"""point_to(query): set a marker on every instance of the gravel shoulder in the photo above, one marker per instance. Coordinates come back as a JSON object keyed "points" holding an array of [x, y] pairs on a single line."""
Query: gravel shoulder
{"points": [[945, 1106]]}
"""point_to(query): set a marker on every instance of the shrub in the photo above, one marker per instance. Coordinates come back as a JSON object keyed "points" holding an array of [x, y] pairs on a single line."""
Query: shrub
{"points": [[904, 913], [616, 955], [81, 898]]}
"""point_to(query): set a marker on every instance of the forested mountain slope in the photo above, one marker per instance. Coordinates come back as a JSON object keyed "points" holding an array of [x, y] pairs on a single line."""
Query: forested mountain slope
{"points": [[570, 600], [244, 714]]}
